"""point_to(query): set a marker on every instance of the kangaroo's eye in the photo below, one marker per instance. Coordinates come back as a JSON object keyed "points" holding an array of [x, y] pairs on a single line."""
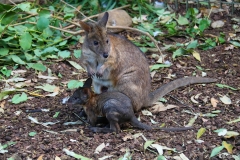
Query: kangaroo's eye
{"points": [[107, 41], [95, 43]]}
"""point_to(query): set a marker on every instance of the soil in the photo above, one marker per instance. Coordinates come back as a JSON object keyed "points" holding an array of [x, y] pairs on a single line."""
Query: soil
{"points": [[217, 63]]}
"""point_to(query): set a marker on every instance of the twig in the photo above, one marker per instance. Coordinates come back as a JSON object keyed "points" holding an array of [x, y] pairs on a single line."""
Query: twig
{"points": [[181, 102], [94, 16], [12, 2], [74, 9], [137, 30], [76, 24], [31, 15], [81, 119], [63, 30]]}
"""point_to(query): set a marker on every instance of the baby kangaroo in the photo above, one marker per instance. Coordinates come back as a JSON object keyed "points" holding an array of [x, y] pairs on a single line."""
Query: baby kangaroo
{"points": [[116, 64], [116, 106]]}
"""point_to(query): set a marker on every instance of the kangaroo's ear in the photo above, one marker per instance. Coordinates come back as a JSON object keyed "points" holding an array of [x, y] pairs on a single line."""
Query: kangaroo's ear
{"points": [[86, 27], [88, 83], [102, 22]]}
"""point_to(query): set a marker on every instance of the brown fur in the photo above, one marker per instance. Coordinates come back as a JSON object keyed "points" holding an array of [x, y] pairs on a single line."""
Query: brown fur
{"points": [[115, 106], [125, 69]]}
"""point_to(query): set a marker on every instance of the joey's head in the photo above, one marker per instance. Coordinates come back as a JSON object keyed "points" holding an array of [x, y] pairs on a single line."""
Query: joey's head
{"points": [[96, 36], [82, 94]]}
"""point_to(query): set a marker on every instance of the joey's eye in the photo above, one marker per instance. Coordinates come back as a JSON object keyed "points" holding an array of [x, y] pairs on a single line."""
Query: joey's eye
{"points": [[107, 41], [95, 43]]}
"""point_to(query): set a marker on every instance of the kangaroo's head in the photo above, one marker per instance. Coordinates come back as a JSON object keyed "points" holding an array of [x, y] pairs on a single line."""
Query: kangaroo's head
{"points": [[86, 97], [96, 36], [82, 94]]}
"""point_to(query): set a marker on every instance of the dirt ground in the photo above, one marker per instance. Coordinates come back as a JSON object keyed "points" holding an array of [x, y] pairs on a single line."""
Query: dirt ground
{"points": [[217, 63]]}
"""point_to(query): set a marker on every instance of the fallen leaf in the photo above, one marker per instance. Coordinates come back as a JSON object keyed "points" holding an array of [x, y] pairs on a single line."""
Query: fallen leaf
{"points": [[127, 137], [2, 106], [105, 157], [159, 107], [201, 131], [214, 102], [46, 77], [146, 113], [158, 147], [69, 130], [147, 144], [217, 24], [204, 120], [230, 134], [76, 65], [216, 150], [196, 55], [183, 156], [191, 121], [230, 47], [199, 141], [193, 100], [234, 121], [57, 158], [221, 131], [226, 100], [70, 153], [197, 95], [228, 146], [72, 123], [137, 135], [100, 148], [40, 157], [153, 122]]}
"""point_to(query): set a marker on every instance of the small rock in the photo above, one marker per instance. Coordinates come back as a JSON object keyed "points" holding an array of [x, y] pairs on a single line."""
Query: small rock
{"points": [[117, 18]]}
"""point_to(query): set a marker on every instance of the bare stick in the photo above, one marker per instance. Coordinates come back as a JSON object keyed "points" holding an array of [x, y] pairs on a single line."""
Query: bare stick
{"points": [[181, 102], [12, 2], [137, 30], [63, 30]]}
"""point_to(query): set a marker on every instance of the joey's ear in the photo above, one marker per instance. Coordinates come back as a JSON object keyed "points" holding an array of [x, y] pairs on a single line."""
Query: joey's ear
{"points": [[86, 27], [88, 83], [102, 22]]}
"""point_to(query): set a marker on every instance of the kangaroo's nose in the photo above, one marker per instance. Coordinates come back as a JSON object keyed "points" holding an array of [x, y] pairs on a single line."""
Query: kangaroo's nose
{"points": [[105, 55]]}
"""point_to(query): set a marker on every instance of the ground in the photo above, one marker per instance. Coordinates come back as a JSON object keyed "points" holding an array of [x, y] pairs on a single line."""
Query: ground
{"points": [[217, 63]]}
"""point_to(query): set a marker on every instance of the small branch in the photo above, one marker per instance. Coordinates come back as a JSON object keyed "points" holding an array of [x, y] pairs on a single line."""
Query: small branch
{"points": [[137, 30], [12, 2], [76, 24], [74, 8], [63, 30], [94, 16]]}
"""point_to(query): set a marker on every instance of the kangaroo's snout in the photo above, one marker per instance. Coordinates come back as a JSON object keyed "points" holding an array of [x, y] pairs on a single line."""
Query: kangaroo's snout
{"points": [[105, 55]]}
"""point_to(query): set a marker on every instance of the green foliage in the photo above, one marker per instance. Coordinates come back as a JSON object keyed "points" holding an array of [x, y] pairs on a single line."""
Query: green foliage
{"points": [[32, 134], [17, 98], [74, 84], [31, 34]]}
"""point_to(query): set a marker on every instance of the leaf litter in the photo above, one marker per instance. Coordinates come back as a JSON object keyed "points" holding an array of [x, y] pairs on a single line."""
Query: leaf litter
{"points": [[169, 117]]}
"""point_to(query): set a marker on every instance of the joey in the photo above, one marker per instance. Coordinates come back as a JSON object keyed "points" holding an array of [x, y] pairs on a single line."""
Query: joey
{"points": [[115, 106]]}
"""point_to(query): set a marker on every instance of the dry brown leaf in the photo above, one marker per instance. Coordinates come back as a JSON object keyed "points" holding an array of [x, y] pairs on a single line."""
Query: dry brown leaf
{"points": [[100, 148], [2, 104], [193, 100], [159, 107], [214, 102], [57, 158], [230, 47], [128, 136], [40, 157], [123, 149], [204, 120], [129, 37]]}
